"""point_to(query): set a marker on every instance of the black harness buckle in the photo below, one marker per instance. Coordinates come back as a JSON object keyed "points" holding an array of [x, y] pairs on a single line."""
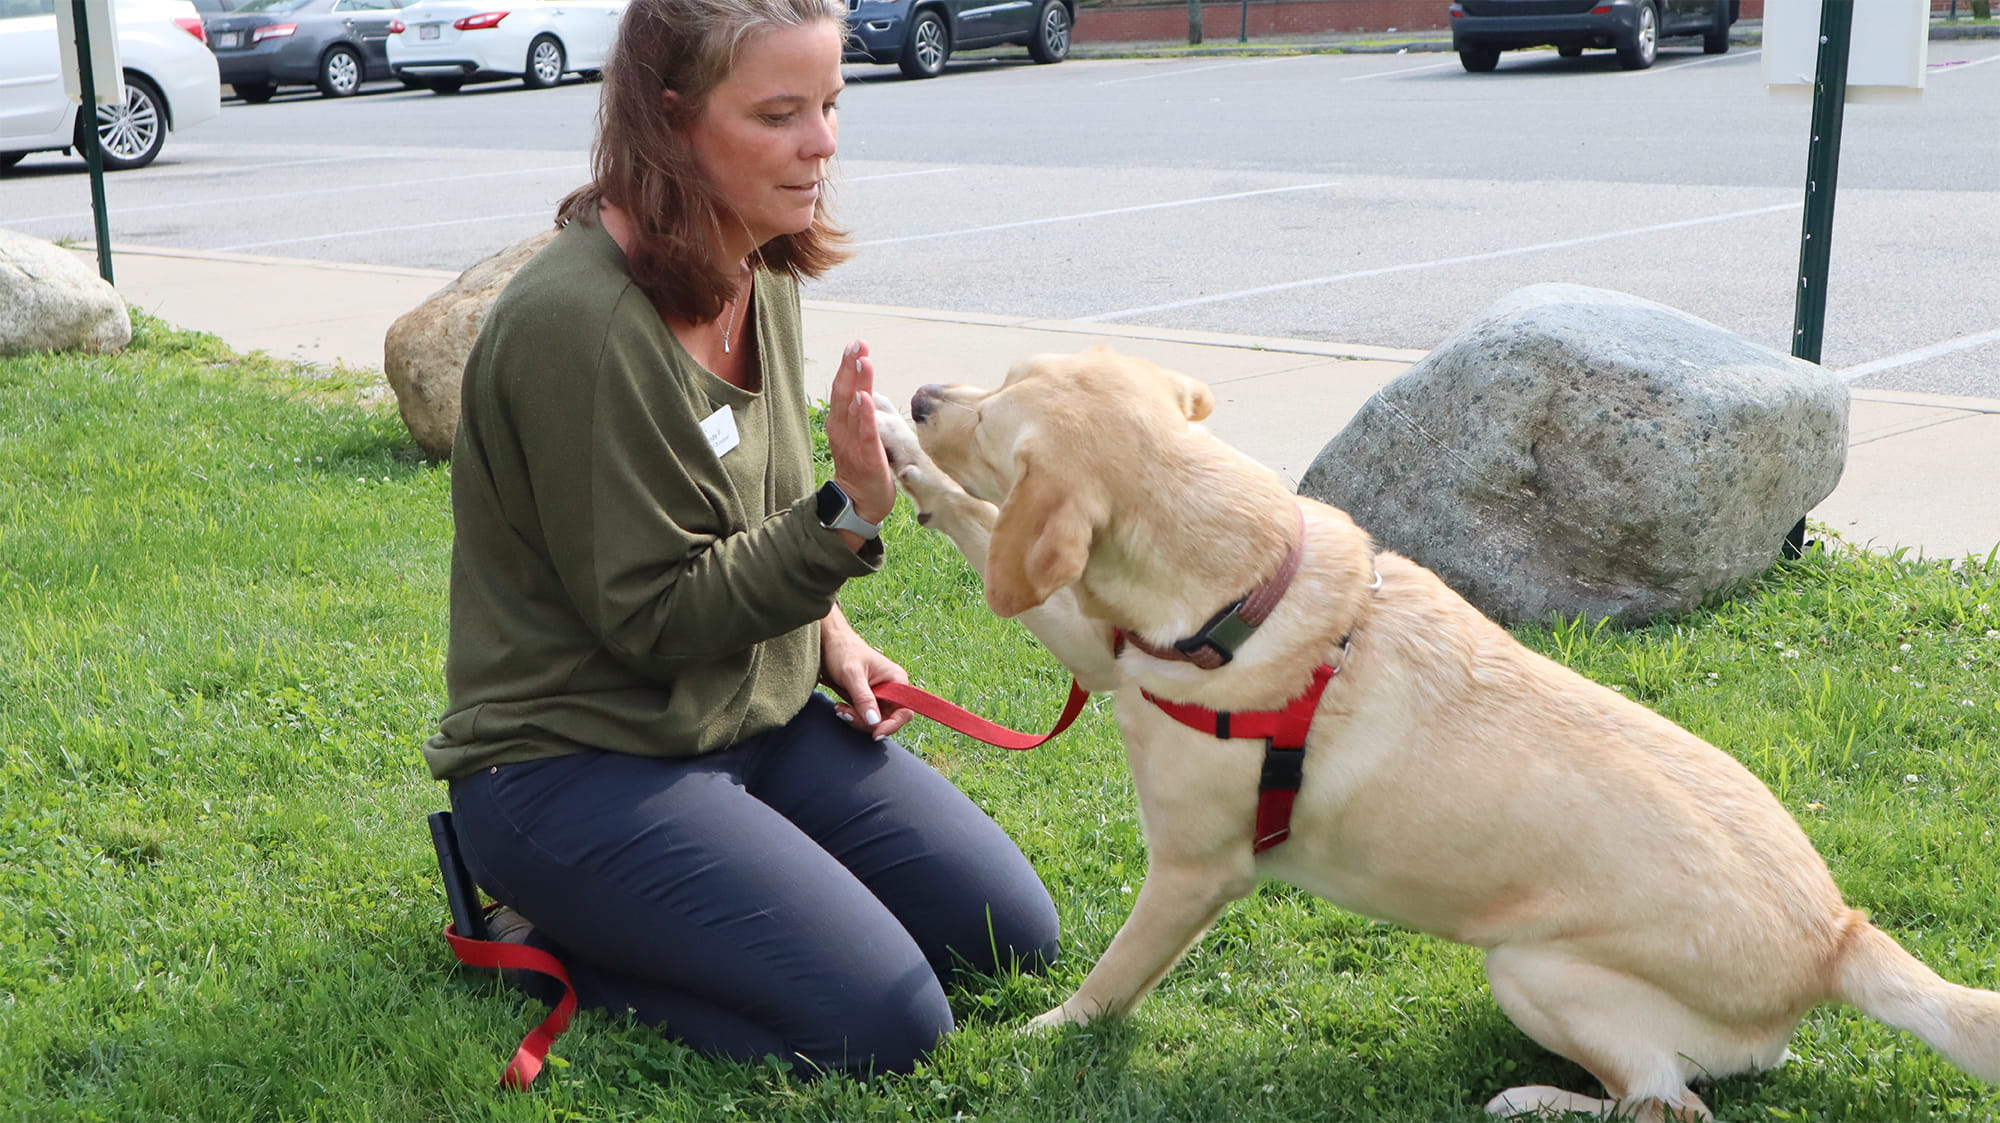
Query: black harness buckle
{"points": [[1223, 634], [1284, 769]]}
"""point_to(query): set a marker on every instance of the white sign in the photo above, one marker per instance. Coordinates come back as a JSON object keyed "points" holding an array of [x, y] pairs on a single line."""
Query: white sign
{"points": [[107, 77], [1886, 53]]}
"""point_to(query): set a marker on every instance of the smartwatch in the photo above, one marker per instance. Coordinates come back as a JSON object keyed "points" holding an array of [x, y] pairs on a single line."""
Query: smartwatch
{"points": [[836, 512]]}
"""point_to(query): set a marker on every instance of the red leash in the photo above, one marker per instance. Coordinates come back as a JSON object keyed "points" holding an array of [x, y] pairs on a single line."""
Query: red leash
{"points": [[527, 1062], [972, 725]]}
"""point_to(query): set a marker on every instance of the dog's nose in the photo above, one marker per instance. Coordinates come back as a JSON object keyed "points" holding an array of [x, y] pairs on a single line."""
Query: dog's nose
{"points": [[924, 401]]}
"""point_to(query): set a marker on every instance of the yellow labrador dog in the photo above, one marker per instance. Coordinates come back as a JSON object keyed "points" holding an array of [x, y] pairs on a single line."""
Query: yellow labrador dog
{"points": [[1647, 907]]}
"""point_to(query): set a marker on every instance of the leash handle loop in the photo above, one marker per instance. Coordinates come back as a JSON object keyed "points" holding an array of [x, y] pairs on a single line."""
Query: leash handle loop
{"points": [[534, 1049], [958, 718]]}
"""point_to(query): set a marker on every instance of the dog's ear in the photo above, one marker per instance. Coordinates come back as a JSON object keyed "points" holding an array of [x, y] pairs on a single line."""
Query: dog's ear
{"points": [[1197, 400], [1040, 542]]}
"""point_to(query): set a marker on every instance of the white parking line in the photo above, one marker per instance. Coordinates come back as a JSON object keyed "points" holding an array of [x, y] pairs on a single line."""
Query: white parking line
{"points": [[1097, 214], [547, 212], [1921, 354], [1178, 72], [1404, 70], [1437, 263], [148, 176], [893, 175], [1956, 65], [1736, 56], [213, 201]]}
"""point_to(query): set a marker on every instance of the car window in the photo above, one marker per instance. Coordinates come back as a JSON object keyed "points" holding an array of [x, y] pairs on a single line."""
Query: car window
{"points": [[16, 9], [365, 5], [273, 5]]}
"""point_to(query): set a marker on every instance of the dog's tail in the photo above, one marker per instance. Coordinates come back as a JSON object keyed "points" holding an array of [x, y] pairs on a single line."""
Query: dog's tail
{"points": [[1876, 976]]}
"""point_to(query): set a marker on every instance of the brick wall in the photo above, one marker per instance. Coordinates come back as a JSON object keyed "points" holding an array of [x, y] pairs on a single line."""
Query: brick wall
{"points": [[1116, 23]]}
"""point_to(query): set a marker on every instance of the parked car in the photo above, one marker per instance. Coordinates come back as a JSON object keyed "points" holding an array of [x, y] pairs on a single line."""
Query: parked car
{"points": [[170, 82], [444, 44], [919, 35], [333, 44], [1481, 29]]}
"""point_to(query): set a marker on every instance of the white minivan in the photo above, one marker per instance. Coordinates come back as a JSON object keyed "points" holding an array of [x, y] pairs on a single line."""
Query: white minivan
{"points": [[170, 82]]}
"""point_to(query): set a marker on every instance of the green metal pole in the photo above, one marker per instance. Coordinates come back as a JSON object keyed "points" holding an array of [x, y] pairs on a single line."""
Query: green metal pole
{"points": [[93, 148], [1836, 28]]}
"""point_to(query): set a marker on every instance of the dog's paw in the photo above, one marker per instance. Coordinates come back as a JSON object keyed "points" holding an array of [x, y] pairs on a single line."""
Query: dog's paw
{"points": [[899, 441], [1053, 1020]]}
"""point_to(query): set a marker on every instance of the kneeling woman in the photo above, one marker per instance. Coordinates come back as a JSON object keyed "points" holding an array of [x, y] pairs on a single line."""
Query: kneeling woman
{"points": [[643, 593]]}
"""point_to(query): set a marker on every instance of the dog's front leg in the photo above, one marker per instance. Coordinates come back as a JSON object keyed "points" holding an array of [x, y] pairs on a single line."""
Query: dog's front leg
{"points": [[1082, 644], [1175, 906]]}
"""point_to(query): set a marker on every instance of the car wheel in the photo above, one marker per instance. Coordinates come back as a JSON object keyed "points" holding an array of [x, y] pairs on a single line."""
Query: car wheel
{"points": [[1478, 58], [255, 93], [339, 73], [927, 47], [545, 63], [133, 133], [1569, 50], [9, 159], [1052, 29], [1715, 40], [1639, 50], [443, 85]]}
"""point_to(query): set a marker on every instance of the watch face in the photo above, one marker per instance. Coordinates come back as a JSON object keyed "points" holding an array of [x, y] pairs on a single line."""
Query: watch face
{"points": [[830, 502]]}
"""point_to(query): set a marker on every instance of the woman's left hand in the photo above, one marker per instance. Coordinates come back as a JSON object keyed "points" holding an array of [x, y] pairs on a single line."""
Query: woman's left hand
{"points": [[852, 667]]}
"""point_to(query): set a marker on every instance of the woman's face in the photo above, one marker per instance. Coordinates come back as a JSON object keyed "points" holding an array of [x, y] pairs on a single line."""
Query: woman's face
{"points": [[768, 129]]}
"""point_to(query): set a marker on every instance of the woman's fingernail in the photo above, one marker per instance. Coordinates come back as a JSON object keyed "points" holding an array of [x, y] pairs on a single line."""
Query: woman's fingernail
{"points": [[844, 716], [872, 718]]}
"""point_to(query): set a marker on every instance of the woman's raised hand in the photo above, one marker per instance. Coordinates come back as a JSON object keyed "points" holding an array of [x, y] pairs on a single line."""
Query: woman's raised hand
{"points": [[860, 466]]}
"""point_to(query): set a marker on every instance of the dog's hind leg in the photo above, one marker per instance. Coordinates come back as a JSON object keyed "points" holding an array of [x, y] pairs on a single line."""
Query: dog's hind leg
{"points": [[1639, 1041]]}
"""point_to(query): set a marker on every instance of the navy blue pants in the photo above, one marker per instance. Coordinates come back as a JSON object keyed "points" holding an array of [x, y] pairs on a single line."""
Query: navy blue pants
{"points": [[803, 894]]}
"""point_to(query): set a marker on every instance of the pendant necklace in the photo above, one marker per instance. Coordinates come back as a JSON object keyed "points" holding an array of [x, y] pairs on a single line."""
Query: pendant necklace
{"points": [[729, 328]]}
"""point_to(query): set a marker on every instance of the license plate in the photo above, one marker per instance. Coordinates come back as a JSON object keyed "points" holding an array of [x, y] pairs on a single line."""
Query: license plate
{"points": [[428, 30], [229, 38]]}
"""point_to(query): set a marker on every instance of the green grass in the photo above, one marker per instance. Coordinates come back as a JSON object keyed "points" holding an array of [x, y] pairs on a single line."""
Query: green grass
{"points": [[221, 624]]}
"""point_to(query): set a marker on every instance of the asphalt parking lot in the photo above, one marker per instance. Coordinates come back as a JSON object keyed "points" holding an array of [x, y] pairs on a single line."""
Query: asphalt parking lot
{"points": [[1369, 199]]}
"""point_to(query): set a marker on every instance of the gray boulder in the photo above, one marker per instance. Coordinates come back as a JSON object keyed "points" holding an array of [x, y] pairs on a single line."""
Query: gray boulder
{"points": [[1575, 451], [424, 353], [50, 301]]}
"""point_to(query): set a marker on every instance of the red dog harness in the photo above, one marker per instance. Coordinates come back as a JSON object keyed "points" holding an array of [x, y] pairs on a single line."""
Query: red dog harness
{"points": [[1284, 733]]}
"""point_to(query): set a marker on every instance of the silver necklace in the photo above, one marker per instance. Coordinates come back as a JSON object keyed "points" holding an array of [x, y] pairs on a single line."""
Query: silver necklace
{"points": [[729, 328]]}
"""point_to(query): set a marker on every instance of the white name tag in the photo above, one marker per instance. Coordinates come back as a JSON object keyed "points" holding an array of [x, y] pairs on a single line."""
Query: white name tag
{"points": [[720, 429]]}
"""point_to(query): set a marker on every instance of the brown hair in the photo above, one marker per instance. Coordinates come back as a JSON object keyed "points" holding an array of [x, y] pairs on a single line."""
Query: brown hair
{"points": [[641, 159]]}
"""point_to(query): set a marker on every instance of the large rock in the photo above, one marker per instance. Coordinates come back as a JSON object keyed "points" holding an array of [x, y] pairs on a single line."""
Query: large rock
{"points": [[425, 351], [50, 301], [1575, 451]]}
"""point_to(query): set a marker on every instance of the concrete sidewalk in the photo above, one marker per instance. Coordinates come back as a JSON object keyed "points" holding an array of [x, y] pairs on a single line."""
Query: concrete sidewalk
{"points": [[1923, 470]]}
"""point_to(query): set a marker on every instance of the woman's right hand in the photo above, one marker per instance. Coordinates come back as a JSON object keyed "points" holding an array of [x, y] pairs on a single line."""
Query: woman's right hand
{"points": [[860, 466]]}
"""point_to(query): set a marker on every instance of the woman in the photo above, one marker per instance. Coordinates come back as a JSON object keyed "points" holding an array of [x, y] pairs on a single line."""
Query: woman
{"points": [[643, 583]]}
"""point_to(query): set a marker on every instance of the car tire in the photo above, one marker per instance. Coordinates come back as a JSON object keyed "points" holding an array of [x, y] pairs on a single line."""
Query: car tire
{"points": [[443, 85], [1715, 41], [1052, 33], [545, 63], [1638, 51], [254, 93], [1569, 50], [9, 159], [1478, 58], [927, 48], [339, 73], [133, 133]]}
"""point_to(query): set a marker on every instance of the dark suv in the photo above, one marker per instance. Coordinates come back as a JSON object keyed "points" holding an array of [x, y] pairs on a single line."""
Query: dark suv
{"points": [[1481, 29], [918, 35]]}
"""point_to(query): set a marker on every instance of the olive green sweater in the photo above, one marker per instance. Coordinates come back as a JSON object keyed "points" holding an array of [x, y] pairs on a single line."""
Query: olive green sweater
{"points": [[615, 584]]}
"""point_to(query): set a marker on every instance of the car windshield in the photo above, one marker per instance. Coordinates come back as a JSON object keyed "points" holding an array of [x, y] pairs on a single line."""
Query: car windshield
{"points": [[273, 5]]}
